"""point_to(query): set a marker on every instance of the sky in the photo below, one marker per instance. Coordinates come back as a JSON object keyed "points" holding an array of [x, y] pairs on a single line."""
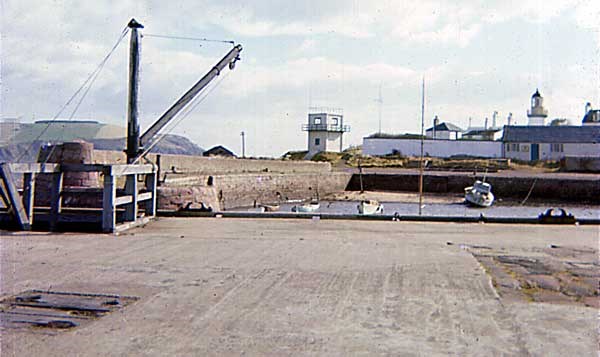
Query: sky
{"points": [[476, 58]]}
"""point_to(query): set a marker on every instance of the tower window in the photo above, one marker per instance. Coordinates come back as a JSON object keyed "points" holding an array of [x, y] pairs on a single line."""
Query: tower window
{"points": [[334, 121], [317, 141], [317, 120]]}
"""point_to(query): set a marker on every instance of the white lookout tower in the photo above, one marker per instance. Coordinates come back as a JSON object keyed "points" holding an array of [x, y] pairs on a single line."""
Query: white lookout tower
{"points": [[325, 130], [537, 114]]}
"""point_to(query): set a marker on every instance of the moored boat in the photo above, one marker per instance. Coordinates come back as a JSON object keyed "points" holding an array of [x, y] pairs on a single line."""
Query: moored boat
{"points": [[480, 194], [307, 207], [370, 207], [270, 208]]}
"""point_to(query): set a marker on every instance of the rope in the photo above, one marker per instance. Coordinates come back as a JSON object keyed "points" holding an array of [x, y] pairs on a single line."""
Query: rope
{"points": [[188, 38], [529, 193], [91, 77], [98, 70]]}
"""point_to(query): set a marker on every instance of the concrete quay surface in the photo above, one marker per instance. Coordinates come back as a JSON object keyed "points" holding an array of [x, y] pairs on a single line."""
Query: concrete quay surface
{"points": [[279, 287]]}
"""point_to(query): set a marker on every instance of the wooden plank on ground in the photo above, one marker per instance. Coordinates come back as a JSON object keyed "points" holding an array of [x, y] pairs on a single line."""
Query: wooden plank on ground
{"points": [[14, 198]]}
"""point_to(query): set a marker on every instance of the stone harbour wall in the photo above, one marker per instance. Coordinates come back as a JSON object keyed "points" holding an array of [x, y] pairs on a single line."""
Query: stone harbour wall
{"points": [[543, 188], [244, 190], [217, 165]]}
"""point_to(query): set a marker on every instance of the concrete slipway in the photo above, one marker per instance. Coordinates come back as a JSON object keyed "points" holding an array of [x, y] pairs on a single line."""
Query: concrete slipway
{"points": [[277, 287]]}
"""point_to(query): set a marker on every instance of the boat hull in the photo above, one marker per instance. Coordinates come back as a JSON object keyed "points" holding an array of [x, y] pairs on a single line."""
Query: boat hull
{"points": [[369, 208], [306, 208], [478, 199]]}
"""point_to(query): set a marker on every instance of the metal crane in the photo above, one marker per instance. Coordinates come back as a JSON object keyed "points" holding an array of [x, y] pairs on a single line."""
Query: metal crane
{"points": [[135, 142]]}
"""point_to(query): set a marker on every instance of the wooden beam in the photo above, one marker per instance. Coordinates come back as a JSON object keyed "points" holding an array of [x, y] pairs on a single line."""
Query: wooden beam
{"points": [[120, 170], [150, 205], [137, 223], [55, 199], [34, 168], [145, 196], [109, 214], [131, 188], [29, 194], [123, 200], [84, 167], [13, 197], [115, 170]]}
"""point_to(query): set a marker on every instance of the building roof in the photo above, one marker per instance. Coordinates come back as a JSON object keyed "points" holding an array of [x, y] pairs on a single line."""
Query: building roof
{"points": [[536, 94], [552, 134], [219, 151], [445, 127], [592, 116], [482, 131]]}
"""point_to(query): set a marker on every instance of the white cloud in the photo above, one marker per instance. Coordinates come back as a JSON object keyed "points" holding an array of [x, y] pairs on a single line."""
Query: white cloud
{"points": [[49, 48]]}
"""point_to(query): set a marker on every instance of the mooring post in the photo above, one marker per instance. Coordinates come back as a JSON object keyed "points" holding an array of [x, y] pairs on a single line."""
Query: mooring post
{"points": [[133, 127], [109, 209], [56, 199], [29, 194], [131, 188], [152, 180]]}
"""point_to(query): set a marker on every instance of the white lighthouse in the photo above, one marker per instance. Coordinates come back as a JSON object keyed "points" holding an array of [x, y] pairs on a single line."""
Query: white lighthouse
{"points": [[537, 114]]}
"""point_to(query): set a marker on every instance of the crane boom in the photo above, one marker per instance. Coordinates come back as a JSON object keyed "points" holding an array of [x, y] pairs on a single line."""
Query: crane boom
{"points": [[229, 59]]}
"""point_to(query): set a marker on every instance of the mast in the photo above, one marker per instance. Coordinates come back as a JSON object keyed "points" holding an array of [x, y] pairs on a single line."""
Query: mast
{"points": [[133, 126], [243, 135], [421, 160], [380, 101]]}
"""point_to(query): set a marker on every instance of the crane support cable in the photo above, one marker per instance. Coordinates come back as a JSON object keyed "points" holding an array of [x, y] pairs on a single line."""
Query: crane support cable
{"points": [[188, 38], [184, 114], [91, 77], [230, 58], [99, 69]]}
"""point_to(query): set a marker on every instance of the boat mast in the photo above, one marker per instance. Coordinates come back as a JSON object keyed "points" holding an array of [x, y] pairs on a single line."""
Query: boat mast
{"points": [[421, 160]]}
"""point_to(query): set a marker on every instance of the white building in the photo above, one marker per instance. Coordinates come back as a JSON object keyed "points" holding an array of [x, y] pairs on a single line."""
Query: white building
{"points": [[432, 148], [532, 143], [325, 130], [444, 130], [490, 134], [522, 142]]}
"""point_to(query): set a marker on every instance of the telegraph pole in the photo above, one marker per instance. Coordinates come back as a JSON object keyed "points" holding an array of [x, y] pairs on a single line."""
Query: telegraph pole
{"points": [[133, 126], [243, 135]]}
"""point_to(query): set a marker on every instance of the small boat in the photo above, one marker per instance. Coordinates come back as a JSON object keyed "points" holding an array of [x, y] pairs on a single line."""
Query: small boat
{"points": [[480, 194], [270, 208], [370, 207], [307, 207]]}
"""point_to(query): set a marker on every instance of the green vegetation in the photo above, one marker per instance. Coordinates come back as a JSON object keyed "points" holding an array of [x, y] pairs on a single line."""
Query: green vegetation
{"points": [[394, 136], [294, 155]]}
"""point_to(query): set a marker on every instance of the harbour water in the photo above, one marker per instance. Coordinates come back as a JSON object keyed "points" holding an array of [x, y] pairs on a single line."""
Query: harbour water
{"points": [[450, 209]]}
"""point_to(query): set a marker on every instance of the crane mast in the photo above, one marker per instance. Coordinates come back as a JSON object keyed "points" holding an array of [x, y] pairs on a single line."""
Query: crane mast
{"points": [[135, 142]]}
